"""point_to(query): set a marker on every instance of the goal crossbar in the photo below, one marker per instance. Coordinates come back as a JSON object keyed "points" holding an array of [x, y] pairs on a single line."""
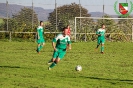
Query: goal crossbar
{"points": [[102, 18]]}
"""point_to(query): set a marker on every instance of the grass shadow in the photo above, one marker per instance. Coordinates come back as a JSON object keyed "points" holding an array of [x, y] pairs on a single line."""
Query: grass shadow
{"points": [[9, 67]]}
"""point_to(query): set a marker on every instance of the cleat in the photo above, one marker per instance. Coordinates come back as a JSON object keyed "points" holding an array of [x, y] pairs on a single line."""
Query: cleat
{"points": [[37, 51], [102, 52], [49, 63], [49, 68]]}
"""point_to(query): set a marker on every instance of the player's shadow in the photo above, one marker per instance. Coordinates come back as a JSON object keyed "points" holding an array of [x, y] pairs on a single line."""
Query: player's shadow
{"points": [[9, 67], [122, 80]]}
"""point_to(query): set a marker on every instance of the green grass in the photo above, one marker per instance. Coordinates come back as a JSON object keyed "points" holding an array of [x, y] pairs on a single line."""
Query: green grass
{"points": [[22, 67]]}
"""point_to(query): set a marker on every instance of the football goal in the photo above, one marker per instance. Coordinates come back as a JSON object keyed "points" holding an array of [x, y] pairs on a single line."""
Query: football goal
{"points": [[117, 29]]}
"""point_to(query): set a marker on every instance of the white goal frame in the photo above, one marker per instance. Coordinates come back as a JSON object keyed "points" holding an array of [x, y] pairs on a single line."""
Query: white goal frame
{"points": [[75, 30]]}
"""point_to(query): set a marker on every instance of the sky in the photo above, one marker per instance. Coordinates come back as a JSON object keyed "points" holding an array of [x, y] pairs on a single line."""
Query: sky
{"points": [[90, 5]]}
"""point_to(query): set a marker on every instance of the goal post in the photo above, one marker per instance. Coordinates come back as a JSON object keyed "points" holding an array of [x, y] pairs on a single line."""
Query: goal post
{"points": [[115, 26]]}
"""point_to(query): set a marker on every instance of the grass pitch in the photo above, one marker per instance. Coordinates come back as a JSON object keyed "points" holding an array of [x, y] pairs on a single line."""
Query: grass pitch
{"points": [[22, 67]]}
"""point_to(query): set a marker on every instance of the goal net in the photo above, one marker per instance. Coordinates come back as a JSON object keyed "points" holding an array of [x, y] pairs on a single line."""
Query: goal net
{"points": [[117, 29]]}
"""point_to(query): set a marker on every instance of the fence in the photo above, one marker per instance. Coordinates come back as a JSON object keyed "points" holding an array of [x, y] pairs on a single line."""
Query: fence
{"points": [[33, 35], [83, 36]]}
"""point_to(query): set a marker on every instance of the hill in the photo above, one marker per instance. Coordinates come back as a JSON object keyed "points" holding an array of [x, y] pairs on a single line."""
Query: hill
{"points": [[41, 13], [100, 14], [96, 14], [13, 9]]}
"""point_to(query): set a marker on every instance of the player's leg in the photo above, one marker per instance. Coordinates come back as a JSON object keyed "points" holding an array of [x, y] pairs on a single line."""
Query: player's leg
{"points": [[54, 63], [42, 43], [102, 45], [102, 48], [53, 60], [59, 57], [38, 46], [98, 43], [55, 54]]}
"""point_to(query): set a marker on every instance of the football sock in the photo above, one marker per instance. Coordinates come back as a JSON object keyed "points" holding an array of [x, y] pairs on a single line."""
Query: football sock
{"points": [[102, 48], [53, 64], [41, 47], [38, 48], [97, 46]]}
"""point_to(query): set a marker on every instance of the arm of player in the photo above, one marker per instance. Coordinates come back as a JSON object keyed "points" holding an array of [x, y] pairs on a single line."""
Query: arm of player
{"points": [[54, 46], [69, 44], [38, 37], [98, 33], [54, 42], [69, 47]]}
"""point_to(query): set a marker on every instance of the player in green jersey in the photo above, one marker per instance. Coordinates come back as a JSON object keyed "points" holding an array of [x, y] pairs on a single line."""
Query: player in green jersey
{"points": [[40, 37], [61, 43], [101, 38]]}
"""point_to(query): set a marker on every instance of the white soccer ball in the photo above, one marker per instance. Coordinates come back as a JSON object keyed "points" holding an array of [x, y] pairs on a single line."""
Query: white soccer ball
{"points": [[78, 68]]}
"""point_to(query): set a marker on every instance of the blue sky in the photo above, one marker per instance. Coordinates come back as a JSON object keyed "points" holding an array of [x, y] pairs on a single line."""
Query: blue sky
{"points": [[91, 5]]}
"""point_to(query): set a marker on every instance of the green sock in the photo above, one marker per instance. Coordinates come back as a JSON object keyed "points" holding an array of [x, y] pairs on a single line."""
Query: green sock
{"points": [[102, 48], [52, 65], [41, 47], [38, 48]]}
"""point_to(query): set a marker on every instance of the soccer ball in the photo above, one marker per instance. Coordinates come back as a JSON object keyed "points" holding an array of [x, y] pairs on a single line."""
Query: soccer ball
{"points": [[78, 68]]}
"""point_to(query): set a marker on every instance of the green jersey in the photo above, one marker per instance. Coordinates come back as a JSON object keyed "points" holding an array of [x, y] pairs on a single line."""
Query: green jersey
{"points": [[101, 32], [62, 41], [40, 31]]}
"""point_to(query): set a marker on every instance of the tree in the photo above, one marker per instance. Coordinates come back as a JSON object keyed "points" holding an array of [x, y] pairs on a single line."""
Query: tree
{"points": [[24, 19], [125, 28], [22, 22], [109, 23], [125, 24], [66, 14]]}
